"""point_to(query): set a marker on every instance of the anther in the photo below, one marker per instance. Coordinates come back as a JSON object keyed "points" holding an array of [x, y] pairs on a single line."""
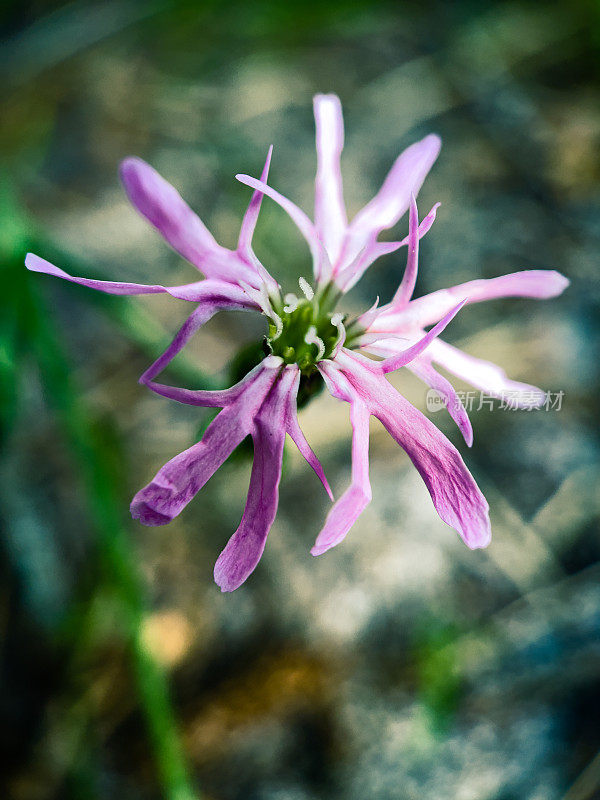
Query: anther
{"points": [[306, 288], [338, 321], [312, 338], [292, 303]]}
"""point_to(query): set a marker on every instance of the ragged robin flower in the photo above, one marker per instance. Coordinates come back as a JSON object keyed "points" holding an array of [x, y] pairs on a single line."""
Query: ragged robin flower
{"points": [[308, 341]]}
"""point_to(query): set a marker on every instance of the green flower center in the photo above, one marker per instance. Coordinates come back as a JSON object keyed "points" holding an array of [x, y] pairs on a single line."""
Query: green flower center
{"points": [[305, 331]]}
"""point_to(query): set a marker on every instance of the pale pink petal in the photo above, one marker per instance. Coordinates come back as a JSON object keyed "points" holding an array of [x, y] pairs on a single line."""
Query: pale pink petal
{"points": [[367, 363], [195, 292], [349, 275], [424, 225], [213, 296], [181, 478], [392, 201], [295, 432], [36, 264], [425, 372], [366, 319], [243, 551], [484, 375], [330, 212], [357, 496], [162, 205], [406, 356], [251, 215], [456, 496], [409, 279], [321, 263], [537, 283]]}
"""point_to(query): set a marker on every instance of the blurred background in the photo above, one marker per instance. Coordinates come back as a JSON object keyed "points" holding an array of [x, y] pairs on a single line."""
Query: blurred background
{"points": [[400, 664]]}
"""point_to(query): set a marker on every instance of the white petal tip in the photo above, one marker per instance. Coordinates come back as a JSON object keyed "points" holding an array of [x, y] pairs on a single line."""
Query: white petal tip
{"points": [[480, 541], [557, 284]]}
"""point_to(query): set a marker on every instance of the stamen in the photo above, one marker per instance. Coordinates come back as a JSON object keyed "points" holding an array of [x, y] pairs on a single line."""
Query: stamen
{"points": [[312, 338], [338, 321], [278, 326], [292, 303], [306, 288]]}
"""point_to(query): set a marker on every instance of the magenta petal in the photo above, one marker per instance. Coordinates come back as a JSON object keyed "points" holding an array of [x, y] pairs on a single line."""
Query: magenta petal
{"points": [[210, 290], [536, 283], [425, 372], [213, 398], [181, 478], [357, 496], [457, 498], [243, 551], [330, 211], [162, 205], [36, 264], [295, 432]]}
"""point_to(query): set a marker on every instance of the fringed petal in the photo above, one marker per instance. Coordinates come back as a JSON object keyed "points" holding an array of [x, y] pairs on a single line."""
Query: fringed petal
{"points": [[357, 496], [162, 205], [456, 497], [243, 551], [485, 375], [425, 372], [181, 478]]}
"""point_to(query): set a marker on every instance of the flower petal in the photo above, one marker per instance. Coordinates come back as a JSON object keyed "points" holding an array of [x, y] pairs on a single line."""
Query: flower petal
{"points": [[330, 212], [321, 263], [162, 205], [180, 479], [36, 264], [349, 275], [406, 356], [392, 200], [456, 496], [484, 375], [424, 225], [251, 215], [212, 398], [213, 296], [243, 551], [425, 372], [537, 283], [409, 279], [357, 496], [295, 432]]}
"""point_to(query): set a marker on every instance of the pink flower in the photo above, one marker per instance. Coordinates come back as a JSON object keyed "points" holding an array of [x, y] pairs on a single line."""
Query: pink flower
{"points": [[352, 247], [306, 339]]}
